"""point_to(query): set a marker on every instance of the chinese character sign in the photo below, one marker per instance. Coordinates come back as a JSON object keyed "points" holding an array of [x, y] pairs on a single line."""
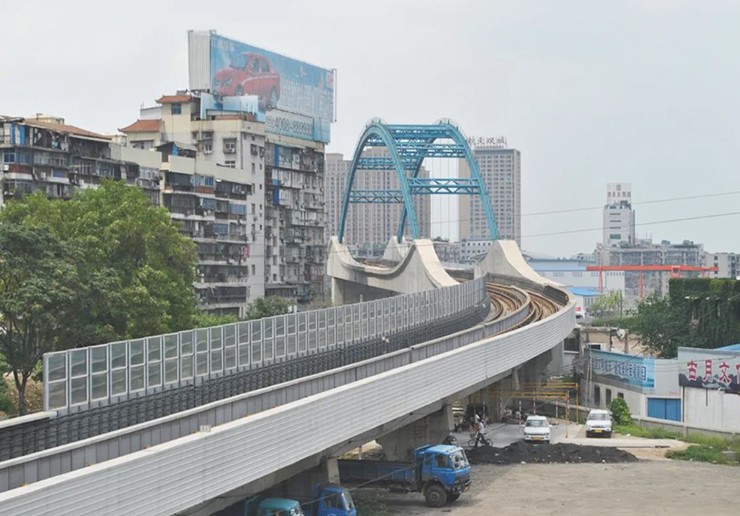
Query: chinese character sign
{"points": [[709, 369], [630, 369]]}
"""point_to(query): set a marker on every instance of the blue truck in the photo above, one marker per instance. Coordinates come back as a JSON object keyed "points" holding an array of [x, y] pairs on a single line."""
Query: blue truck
{"points": [[326, 500], [440, 472]]}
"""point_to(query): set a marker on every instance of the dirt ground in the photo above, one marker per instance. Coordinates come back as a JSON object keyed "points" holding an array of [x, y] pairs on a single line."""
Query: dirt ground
{"points": [[652, 486]]}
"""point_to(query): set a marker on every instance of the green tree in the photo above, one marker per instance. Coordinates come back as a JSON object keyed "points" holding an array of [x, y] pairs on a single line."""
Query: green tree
{"points": [[48, 298], [206, 319], [105, 266], [659, 324], [607, 305], [267, 307], [122, 231]]}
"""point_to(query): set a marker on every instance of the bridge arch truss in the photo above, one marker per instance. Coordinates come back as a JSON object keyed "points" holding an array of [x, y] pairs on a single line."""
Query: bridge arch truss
{"points": [[408, 146]]}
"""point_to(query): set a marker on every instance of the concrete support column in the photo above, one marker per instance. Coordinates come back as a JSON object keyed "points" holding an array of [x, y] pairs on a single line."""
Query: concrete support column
{"points": [[337, 292], [431, 429], [330, 470]]}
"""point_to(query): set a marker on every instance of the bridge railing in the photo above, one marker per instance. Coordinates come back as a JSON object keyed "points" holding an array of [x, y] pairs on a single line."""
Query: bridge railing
{"points": [[83, 378]]}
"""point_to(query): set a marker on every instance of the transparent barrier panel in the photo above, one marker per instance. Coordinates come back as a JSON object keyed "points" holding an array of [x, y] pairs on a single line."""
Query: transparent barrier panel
{"points": [[312, 333], [99, 372], [302, 333], [171, 359], [291, 322], [280, 337], [244, 352], [154, 362], [187, 350], [256, 338]]}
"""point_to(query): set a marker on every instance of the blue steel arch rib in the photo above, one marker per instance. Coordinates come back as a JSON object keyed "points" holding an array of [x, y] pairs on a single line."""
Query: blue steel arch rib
{"points": [[376, 133], [408, 146]]}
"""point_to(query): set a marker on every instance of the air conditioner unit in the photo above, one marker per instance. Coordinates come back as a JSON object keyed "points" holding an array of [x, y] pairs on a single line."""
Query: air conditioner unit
{"points": [[6, 168]]}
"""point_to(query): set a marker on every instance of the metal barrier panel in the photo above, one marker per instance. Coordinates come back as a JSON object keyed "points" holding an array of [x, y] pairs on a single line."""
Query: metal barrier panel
{"points": [[167, 479], [86, 377]]}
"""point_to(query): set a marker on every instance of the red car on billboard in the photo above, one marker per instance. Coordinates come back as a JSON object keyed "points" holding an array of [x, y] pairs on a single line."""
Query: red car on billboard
{"points": [[250, 74]]}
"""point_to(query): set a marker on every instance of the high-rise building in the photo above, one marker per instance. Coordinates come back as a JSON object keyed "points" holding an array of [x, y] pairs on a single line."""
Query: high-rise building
{"points": [[369, 225], [728, 264], [501, 171], [619, 217], [284, 213]]}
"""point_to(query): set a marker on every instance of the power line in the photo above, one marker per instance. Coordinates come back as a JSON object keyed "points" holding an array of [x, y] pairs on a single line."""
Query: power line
{"points": [[666, 221], [654, 201]]}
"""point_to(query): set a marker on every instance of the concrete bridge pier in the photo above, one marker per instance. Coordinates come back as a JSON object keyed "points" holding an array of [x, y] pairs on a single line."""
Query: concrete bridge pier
{"points": [[432, 429]]}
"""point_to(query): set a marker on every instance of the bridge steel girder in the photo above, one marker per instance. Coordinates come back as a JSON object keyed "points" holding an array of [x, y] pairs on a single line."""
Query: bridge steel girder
{"points": [[376, 196], [408, 146]]}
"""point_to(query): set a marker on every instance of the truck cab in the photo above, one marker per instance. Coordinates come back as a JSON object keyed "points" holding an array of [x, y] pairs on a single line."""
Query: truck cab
{"points": [[444, 473], [332, 500], [272, 507]]}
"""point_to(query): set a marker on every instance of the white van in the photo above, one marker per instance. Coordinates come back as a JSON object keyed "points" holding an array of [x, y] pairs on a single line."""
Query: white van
{"points": [[599, 422]]}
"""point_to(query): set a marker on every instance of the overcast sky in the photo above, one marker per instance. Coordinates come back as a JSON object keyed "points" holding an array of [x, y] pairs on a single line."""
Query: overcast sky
{"points": [[642, 91]]}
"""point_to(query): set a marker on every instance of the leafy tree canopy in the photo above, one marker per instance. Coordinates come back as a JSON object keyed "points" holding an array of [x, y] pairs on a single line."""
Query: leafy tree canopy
{"points": [[105, 266], [267, 307]]}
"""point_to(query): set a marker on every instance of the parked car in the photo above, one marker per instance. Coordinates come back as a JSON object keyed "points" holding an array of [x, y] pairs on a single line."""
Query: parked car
{"points": [[536, 429], [599, 422], [250, 74]]}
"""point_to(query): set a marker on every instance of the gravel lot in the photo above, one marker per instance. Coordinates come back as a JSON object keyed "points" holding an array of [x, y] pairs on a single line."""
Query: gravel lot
{"points": [[648, 487], [654, 485]]}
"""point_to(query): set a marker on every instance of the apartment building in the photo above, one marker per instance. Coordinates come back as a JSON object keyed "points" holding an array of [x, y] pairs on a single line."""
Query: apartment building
{"points": [[210, 202], [619, 217], [369, 226], [285, 179], [43, 153], [501, 171], [728, 264]]}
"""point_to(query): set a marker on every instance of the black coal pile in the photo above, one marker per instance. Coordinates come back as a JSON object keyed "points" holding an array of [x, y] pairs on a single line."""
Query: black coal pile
{"points": [[560, 453]]}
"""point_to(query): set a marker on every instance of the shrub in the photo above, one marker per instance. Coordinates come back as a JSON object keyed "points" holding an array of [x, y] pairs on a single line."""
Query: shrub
{"points": [[698, 453], [620, 412]]}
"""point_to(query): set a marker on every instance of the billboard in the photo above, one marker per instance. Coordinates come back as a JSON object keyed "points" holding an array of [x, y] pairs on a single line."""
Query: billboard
{"points": [[709, 369], [294, 98], [634, 370]]}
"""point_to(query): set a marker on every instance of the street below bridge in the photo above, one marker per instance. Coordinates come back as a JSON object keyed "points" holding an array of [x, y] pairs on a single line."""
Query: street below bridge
{"points": [[653, 485]]}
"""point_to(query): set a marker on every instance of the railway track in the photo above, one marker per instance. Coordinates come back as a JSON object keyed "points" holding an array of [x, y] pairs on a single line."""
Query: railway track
{"points": [[508, 299]]}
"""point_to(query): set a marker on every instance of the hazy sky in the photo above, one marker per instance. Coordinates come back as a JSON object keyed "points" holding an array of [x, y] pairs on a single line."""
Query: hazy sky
{"points": [[642, 91]]}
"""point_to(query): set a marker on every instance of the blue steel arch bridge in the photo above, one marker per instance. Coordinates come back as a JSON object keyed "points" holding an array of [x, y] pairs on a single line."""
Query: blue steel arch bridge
{"points": [[408, 145]]}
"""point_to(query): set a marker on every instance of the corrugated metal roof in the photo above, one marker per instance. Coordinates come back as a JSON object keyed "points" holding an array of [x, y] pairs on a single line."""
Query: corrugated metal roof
{"points": [[731, 347], [584, 291]]}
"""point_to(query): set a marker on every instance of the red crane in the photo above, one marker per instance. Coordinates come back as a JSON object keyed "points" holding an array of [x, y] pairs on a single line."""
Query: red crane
{"points": [[674, 270]]}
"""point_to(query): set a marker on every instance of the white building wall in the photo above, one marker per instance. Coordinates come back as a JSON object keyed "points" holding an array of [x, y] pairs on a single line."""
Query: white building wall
{"points": [[636, 401], [712, 409]]}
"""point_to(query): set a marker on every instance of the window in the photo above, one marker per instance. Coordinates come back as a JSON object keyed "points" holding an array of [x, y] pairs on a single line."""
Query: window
{"points": [[597, 395], [176, 109], [608, 397], [620, 395], [253, 149], [230, 163], [229, 145]]}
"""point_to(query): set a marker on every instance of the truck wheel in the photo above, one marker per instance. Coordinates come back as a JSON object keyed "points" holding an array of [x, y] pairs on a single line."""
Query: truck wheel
{"points": [[435, 496], [453, 497]]}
